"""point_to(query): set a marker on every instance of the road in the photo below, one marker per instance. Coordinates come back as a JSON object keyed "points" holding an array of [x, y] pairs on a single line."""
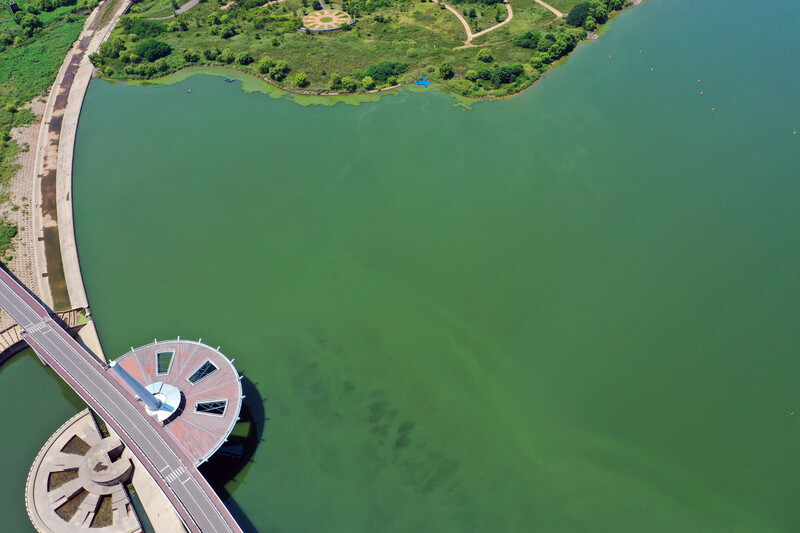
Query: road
{"points": [[196, 502]]}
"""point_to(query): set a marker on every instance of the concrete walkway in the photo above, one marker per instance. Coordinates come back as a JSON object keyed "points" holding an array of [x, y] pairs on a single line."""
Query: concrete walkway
{"points": [[464, 22], [183, 9]]}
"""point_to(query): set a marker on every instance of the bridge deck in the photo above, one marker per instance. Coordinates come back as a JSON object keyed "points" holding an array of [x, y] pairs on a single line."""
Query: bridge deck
{"points": [[196, 502]]}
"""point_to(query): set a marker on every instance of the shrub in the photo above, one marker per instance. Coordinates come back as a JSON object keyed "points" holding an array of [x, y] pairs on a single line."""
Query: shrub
{"points": [[485, 55], [349, 84], [380, 72], [150, 49], [301, 79], [529, 39], [471, 75], [147, 28], [244, 58], [335, 83], [191, 56], [227, 56], [368, 83]]}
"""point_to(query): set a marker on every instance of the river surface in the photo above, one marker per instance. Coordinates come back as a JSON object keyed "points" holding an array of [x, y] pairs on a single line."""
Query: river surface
{"points": [[572, 310]]}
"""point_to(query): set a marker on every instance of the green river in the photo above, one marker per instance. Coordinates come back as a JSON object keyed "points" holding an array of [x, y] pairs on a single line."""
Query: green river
{"points": [[572, 310]]}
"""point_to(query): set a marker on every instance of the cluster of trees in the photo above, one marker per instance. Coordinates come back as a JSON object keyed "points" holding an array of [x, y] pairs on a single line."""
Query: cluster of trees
{"points": [[37, 6], [549, 47], [276, 70], [499, 76], [588, 15], [382, 71], [337, 82]]}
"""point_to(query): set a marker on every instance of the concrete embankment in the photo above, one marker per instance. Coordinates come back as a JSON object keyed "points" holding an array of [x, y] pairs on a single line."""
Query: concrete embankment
{"points": [[56, 266]]}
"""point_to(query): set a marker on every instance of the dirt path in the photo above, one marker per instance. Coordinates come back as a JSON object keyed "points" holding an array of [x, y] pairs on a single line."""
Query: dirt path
{"points": [[464, 22], [555, 11]]}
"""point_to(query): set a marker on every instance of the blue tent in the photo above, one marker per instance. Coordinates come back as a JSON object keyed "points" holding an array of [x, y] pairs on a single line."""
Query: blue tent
{"points": [[424, 81]]}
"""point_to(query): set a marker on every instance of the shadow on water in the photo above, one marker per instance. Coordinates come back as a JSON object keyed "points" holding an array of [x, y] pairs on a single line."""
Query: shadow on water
{"points": [[224, 468]]}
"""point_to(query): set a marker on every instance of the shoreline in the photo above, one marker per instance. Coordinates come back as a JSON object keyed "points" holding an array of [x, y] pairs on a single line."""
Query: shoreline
{"points": [[601, 30]]}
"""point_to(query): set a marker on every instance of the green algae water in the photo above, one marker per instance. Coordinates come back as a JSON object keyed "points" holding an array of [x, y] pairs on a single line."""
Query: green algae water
{"points": [[572, 310]]}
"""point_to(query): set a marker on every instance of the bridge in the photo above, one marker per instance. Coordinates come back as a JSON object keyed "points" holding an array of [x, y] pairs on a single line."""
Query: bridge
{"points": [[173, 470]]}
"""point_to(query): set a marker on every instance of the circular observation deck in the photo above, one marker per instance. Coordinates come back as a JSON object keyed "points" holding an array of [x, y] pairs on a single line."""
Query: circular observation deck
{"points": [[209, 393]]}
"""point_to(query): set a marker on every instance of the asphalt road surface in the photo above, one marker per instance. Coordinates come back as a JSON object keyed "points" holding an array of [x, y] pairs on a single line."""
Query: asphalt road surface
{"points": [[196, 502]]}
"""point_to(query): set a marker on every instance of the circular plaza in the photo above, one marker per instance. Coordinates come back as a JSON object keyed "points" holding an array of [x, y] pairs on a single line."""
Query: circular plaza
{"points": [[326, 20], [195, 392]]}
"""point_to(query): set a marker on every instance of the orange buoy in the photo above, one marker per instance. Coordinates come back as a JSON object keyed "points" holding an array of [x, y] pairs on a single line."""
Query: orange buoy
{"points": [[701, 92], [651, 69], [713, 108]]}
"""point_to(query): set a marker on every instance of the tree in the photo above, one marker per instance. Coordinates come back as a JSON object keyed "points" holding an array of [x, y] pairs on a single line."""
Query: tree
{"points": [[151, 49], [335, 83], [446, 70], [498, 14], [472, 13], [301, 79], [471, 75], [279, 71], [264, 64], [507, 74], [590, 24], [577, 15], [244, 58], [368, 83], [529, 39], [211, 54], [485, 55], [598, 12]]}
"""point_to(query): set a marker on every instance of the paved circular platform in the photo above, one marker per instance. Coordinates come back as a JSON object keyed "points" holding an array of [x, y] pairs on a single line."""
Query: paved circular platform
{"points": [[210, 391], [326, 20]]}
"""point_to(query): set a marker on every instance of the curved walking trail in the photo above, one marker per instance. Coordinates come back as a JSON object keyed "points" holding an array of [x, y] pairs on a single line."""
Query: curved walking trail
{"points": [[555, 11], [471, 35]]}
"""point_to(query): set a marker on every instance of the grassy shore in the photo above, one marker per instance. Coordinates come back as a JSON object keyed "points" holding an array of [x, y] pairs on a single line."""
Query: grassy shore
{"points": [[392, 42]]}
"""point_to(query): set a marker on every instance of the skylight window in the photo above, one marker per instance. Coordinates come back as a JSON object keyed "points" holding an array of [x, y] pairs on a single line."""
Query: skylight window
{"points": [[164, 362], [205, 370], [214, 407]]}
